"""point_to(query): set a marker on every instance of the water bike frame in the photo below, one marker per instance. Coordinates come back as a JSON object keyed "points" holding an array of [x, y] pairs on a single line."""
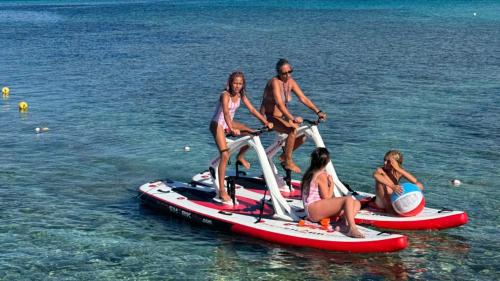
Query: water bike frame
{"points": [[282, 209], [309, 131], [269, 170]]}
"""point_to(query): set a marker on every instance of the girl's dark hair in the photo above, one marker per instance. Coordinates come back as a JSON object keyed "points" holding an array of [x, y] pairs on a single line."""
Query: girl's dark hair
{"points": [[320, 157], [229, 84], [280, 63]]}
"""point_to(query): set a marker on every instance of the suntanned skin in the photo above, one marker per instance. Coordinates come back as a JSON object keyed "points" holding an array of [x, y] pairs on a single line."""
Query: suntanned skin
{"points": [[334, 206], [273, 106], [387, 181], [236, 128]]}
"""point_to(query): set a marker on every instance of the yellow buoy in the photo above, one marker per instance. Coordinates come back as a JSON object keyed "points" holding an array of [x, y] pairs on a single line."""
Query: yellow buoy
{"points": [[5, 91], [23, 106]]}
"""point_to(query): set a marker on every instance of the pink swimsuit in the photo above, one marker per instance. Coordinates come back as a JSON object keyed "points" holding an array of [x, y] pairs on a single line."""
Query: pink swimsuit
{"points": [[219, 113], [313, 195]]}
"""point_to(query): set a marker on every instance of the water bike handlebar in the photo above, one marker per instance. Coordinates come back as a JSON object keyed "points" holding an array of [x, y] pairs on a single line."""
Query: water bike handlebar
{"points": [[311, 122], [257, 132]]}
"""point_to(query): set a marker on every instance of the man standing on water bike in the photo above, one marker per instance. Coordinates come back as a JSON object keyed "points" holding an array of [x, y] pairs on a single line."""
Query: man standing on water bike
{"points": [[277, 94]]}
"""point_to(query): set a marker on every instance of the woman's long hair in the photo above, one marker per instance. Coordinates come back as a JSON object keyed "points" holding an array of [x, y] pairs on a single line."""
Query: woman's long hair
{"points": [[229, 84], [320, 157]]}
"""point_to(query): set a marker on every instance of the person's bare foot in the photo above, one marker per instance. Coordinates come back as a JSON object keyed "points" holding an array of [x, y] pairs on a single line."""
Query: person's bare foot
{"points": [[355, 233], [244, 162], [291, 166], [225, 197]]}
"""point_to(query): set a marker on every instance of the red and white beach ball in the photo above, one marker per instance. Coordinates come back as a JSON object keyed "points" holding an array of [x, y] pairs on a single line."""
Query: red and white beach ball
{"points": [[410, 203]]}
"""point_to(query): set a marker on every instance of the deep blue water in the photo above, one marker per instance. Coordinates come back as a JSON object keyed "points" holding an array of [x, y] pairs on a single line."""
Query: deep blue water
{"points": [[124, 85]]}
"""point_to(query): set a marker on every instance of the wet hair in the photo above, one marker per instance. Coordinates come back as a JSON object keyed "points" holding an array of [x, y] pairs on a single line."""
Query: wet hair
{"points": [[280, 63], [320, 157], [229, 84], [396, 154]]}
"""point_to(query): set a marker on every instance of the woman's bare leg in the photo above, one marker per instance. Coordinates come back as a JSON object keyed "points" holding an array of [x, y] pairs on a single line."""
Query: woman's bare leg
{"points": [[283, 126], [298, 142]]}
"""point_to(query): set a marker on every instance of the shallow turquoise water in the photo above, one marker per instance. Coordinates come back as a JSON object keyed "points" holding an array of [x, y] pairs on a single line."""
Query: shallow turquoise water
{"points": [[125, 85]]}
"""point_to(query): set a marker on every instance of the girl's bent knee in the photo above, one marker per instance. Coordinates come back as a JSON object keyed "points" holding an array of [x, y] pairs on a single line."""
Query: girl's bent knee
{"points": [[349, 200]]}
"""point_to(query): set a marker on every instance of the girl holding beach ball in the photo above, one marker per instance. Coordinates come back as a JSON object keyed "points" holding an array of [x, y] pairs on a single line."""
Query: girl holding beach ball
{"points": [[387, 180]]}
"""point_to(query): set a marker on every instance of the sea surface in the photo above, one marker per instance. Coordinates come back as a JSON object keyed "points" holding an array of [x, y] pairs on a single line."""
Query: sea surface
{"points": [[124, 86]]}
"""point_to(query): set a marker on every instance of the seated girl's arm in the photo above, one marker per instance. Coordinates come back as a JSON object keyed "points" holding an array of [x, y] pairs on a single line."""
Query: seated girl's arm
{"points": [[380, 176], [256, 113], [411, 178], [325, 186]]}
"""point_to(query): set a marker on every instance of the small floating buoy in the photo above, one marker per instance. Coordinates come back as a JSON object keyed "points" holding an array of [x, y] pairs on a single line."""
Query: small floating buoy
{"points": [[455, 182], [187, 148], [5, 91], [23, 106], [474, 14], [41, 130]]}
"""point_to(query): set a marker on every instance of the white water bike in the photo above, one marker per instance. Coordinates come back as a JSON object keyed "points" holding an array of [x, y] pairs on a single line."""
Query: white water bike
{"points": [[268, 216]]}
